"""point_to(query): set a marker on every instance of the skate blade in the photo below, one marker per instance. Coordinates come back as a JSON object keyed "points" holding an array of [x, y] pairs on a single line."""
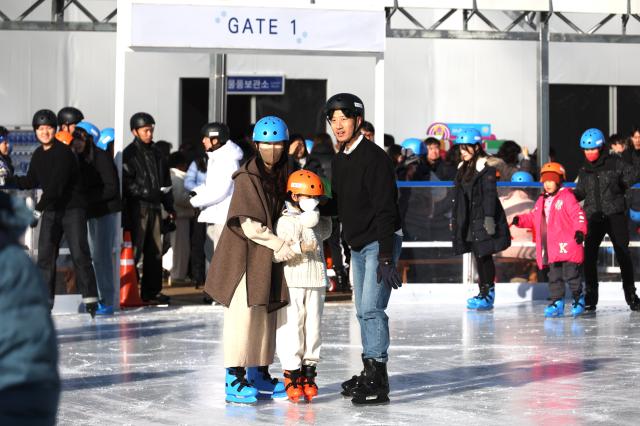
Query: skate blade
{"points": [[233, 400], [372, 400]]}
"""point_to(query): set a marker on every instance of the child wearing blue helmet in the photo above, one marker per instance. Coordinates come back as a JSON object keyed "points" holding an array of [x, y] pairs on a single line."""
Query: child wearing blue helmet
{"points": [[478, 221], [247, 273], [602, 183]]}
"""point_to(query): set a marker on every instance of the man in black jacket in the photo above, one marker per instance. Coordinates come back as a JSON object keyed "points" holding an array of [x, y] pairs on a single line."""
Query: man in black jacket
{"points": [[602, 183], [364, 187], [62, 206], [146, 185]]}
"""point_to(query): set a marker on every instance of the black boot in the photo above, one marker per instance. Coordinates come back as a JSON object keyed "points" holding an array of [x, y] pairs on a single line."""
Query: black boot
{"points": [[634, 304], [342, 280], [591, 299], [373, 388], [91, 308], [349, 385]]}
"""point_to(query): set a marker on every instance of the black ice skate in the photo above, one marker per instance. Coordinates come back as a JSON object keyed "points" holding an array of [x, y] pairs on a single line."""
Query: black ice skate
{"points": [[373, 388]]}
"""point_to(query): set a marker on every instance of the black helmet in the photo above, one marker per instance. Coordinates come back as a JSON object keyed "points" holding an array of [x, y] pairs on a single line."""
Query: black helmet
{"points": [[216, 130], [349, 104], [44, 117], [141, 119], [69, 115]]}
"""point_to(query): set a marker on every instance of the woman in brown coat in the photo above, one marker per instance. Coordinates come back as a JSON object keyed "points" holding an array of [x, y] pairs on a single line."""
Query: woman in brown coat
{"points": [[246, 274]]}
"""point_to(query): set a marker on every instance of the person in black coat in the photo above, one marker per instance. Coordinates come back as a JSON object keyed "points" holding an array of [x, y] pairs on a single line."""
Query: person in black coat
{"points": [[478, 222], [103, 203], [602, 183], [62, 207], [146, 186]]}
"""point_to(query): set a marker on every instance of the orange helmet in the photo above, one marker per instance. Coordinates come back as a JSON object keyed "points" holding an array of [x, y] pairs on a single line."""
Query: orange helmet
{"points": [[64, 137], [553, 167], [304, 182]]}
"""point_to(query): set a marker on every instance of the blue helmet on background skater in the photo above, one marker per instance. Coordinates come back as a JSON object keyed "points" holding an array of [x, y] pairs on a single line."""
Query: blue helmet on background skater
{"points": [[522, 177], [468, 137], [415, 145], [106, 137], [270, 129], [91, 129], [592, 139]]}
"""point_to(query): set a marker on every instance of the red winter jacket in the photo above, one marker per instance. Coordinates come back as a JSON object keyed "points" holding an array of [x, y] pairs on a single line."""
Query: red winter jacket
{"points": [[565, 218]]}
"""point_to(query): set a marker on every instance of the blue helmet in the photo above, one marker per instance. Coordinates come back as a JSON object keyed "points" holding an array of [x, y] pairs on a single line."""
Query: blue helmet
{"points": [[270, 129], [468, 137], [90, 128], [522, 177], [634, 215], [309, 144], [592, 139], [415, 145], [107, 136]]}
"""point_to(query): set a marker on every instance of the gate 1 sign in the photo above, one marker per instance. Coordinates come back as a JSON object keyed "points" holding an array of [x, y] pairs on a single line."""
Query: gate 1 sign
{"points": [[256, 28], [255, 85]]}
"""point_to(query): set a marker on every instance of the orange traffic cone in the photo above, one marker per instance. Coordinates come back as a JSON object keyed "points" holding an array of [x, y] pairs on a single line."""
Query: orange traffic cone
{"points": [[129, 294]]}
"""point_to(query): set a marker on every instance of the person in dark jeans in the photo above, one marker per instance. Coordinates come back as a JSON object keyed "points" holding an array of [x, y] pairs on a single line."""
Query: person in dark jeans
{"points": [[603, 181], [364, 189], [146, 185], [103, 203], [62, 208]]}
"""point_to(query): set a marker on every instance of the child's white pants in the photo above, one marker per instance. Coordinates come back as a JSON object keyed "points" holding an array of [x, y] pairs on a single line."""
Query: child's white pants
{"points": [[298, 334]]}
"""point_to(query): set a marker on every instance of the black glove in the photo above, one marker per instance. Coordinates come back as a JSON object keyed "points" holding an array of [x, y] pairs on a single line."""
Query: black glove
{"points": [[579, 237], [388, 273], [515, 221], [192, 194], [490, 225]]}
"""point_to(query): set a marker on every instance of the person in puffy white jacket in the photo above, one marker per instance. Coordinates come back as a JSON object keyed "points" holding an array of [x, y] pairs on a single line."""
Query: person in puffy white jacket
{"points": [[214, 196], [298, 325]]}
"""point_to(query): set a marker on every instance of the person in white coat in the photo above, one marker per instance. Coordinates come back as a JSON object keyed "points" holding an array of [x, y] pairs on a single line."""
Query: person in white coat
{"points": [[214, 196], [180, 238], [298, 324]]}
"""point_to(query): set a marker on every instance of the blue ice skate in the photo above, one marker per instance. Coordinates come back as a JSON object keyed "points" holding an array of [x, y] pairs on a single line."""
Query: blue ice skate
{"points": [[482, 303], [237, 389], [555, 309], [267, 386], [104, 309], [578, 306]]}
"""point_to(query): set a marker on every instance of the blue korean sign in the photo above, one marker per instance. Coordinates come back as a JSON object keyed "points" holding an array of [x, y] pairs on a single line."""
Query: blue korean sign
{"points": [[255, 85], [483, 128]]}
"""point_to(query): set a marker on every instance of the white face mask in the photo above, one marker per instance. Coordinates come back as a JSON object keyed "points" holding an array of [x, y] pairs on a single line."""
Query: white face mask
{"points": [[308, 204]]}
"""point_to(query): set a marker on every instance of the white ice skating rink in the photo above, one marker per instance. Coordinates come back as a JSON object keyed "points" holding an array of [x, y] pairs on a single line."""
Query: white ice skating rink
{"points": [[447, 366]]}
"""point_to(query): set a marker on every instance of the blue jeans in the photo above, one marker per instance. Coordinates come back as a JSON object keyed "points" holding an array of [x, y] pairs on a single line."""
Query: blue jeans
{"points": [[102, 232], [371, 299]]}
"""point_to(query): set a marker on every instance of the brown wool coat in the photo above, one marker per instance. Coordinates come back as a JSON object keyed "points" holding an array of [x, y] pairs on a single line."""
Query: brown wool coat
{"points": [[236, 255]]}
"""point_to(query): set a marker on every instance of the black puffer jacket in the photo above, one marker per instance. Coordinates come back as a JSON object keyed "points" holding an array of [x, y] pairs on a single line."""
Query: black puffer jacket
{"points": [[102, 182], [144, 172], [471, 213], [319, 161], [602, 185]]}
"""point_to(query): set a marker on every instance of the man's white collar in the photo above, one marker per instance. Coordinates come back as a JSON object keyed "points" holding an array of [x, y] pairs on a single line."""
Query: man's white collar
{"points": [[354, 146]]}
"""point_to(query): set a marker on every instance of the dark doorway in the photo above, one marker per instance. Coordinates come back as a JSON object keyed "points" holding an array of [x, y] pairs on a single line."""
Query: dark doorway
{"points": [[300, 107], [572, 110], [628, 109], [194, 108]]}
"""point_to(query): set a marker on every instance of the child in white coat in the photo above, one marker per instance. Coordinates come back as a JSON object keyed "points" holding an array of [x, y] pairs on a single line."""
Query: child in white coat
{"points": [[298, 334]]}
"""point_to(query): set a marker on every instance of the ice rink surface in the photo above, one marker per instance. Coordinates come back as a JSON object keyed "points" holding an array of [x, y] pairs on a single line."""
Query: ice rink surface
{"points": [[447, 366]]}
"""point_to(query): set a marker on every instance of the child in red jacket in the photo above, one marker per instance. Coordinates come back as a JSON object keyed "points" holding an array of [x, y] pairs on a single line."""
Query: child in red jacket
{"points": [[559, 225]]}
